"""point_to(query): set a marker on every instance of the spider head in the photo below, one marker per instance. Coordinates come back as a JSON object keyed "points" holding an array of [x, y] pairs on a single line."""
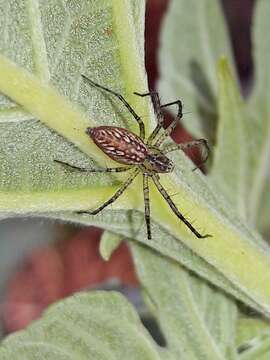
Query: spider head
{"points": [[157, 162]]}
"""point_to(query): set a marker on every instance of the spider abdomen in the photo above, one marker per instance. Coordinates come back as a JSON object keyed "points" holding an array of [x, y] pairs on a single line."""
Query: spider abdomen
{"points": [[119, 144]]}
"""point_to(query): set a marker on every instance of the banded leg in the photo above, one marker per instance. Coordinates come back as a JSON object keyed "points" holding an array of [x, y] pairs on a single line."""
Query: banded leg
{"points": [[73, 167], [122, 99], [166, 132], [199, 143], [179, 105], [114, 197], [146, 205], [173, 124], [174, 208], [156, 103], [157, 108]]}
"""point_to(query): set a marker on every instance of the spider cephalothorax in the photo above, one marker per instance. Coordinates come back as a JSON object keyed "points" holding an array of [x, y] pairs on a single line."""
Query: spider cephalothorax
{"points": [[157, 162], [144, 157]]}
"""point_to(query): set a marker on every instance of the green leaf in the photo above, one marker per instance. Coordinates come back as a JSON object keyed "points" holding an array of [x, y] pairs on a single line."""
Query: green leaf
{"points": [[195, 195], [108, 243], [249, 328], [259, 349], [253, 338], [100, 325], [263, 212], [193, 39], [258, 126], [91, 26], [101, 42], [129, 224], [229, 170], [197, 321]]}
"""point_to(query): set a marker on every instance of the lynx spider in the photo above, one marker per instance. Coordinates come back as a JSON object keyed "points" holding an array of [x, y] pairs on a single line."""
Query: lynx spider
{"points": [[146, 157]]}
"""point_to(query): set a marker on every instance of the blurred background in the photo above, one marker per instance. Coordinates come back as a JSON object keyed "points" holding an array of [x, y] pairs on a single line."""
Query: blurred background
{"points": [[42, 261]]}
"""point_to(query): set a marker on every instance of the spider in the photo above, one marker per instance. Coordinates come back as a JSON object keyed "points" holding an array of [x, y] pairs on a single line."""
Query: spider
{"points": [[144, 156]]}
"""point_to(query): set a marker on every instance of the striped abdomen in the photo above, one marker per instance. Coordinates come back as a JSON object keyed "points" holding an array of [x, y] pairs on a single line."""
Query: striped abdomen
{"points": [[119, 144]]}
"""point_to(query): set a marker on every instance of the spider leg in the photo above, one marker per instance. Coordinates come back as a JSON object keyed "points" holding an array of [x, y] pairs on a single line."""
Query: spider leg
{"points": [[156, 103], [157, 108], [173, 124], [146, 204], [122, 99], [187, 145], [175, 210], [180, 107], [114, 197], [73, 167]]}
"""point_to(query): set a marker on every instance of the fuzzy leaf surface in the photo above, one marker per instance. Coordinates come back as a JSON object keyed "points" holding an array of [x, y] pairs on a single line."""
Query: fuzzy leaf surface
{"points": [[198, 321], [100, 325], [30, 182]]}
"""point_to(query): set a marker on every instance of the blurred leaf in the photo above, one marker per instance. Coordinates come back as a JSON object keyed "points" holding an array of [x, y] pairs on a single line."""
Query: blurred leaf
{"points": [[249, 328], [229, 170], [108, 243], [129, 224], [258, 126], [258, 349], [253, 339], [100, 325], [194, 37], [263, 212], [197, 321]]}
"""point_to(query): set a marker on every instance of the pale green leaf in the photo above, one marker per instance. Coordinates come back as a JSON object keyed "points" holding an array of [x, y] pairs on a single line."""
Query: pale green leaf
{"points": [[229, 169], [249, 328], [101, 43], [195, 193], [129, 224], [253, 338], [108, 243], [194, 37], [258, 124], [263, 212], [258, 349], [100, 325], [197, 321]]}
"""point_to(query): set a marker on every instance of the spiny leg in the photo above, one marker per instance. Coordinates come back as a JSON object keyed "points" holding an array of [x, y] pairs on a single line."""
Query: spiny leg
{"points": [[114, 197], [174, 208], [156, 103], [179, 105], [187, 145], [122, 99], [157, 108], [166, 132], [146, 205], [73, 167], [173, 124]]}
